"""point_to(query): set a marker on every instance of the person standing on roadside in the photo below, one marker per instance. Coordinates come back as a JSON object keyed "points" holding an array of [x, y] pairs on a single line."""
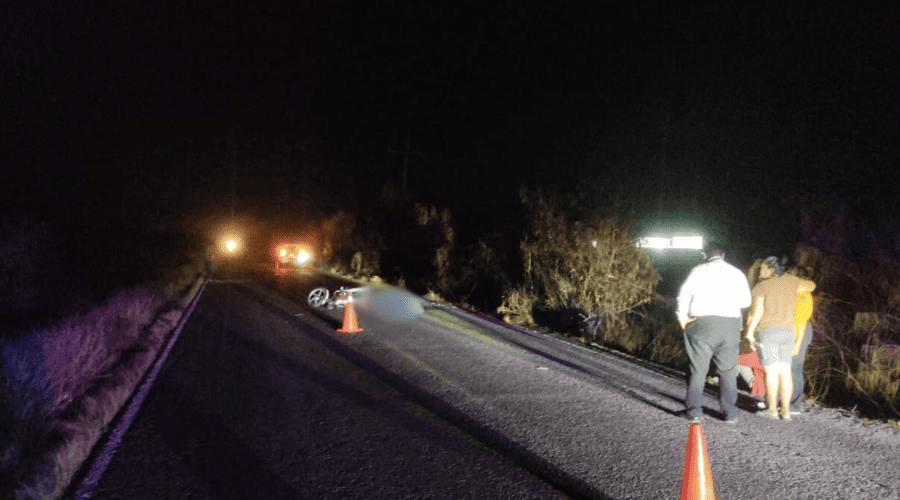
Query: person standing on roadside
{"points": [[803, 311], [710, 309], [748, 362], [772, 317]]}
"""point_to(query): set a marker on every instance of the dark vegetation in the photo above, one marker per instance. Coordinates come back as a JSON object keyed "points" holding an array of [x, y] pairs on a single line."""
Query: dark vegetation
{"points": [[77, 303]]}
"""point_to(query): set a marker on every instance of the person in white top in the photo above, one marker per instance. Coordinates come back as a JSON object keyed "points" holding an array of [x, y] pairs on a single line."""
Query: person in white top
{"points": [[710, 309]]}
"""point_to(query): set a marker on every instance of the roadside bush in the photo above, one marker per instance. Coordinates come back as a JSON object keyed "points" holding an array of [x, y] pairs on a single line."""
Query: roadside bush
{"points": [[855, 323], [405, 248], [350, 245], [482, 276], [337, 240], [406, 242], [518, 306], [592, 266], [437, 224], [659, 325], [848, 366]]}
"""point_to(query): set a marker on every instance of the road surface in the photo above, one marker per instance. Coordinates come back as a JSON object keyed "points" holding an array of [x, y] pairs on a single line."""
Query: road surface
{"points": [[262, 398]]}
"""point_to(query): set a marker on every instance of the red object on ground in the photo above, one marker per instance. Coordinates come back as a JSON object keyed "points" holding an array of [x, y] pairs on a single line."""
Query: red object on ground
{"points": [[751, 359], [697, 483]]}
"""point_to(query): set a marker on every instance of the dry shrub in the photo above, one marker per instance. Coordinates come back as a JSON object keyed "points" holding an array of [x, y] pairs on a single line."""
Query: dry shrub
{"points": [[819, 375], [413, 242], [337, 237], [350, 244], [628, 335], [655, 333], [593, 266], [434, 296], [364, 264], [856, 308], [877, 378], [668, 346], [356, 264], [829, 356], [517, 307], [445, 278]]}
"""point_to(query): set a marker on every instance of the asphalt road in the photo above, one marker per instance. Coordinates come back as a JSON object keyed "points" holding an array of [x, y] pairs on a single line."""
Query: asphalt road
{"points": [[262, 398]]}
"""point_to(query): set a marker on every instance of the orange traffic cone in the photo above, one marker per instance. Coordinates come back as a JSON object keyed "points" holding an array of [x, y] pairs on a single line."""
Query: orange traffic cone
{"points": [[697, 484], [350, 325]]}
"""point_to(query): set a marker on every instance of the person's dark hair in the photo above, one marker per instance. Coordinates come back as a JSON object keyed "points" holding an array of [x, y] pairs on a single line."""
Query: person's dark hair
{"points": [[713, 249], [775, 264], [802, 272]]}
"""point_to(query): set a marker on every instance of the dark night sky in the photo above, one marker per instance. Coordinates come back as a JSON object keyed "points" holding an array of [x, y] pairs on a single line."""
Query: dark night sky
{"points": [[107, 107]]}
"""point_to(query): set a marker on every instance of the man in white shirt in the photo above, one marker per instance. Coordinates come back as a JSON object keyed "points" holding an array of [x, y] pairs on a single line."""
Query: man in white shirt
{"points": [[710, 304]]}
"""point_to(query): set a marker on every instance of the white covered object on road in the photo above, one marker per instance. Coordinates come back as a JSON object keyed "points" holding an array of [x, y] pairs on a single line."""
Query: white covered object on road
{"points": [[389, 302]]}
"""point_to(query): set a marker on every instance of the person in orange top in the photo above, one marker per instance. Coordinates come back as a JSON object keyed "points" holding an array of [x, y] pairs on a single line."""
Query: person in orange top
{"points": [[753, 371], [772, 313]]}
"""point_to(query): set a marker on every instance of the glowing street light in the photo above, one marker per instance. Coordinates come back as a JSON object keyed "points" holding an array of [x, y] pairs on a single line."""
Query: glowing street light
{"points": [[231, 244]]}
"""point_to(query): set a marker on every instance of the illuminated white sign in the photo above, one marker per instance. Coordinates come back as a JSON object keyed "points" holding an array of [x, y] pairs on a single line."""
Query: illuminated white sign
{"points": [[689, 242], [675, 242]]}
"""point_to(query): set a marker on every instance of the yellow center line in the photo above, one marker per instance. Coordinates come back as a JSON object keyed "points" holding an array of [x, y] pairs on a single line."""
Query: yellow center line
{"points": [[447, 321], [440, 376]]}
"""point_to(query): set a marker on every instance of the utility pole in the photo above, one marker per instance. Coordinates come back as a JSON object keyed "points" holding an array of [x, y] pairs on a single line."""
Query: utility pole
{"points": [[406, 154]]}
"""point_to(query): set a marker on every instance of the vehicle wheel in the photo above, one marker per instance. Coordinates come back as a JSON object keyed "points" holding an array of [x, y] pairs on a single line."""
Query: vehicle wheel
{"points": [[318, 297]]}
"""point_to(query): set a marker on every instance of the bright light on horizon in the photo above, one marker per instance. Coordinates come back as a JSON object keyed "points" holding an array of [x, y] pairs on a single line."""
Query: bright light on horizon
{"points": [[655, 242], [231, 244], [688, 242]]}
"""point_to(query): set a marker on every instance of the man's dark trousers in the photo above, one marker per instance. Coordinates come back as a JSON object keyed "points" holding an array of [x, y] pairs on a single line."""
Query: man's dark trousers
{"points": [[797, 369], [715, 338]]}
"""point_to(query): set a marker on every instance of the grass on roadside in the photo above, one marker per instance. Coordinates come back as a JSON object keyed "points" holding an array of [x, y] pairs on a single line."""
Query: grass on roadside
{"points": [[61, 385]]}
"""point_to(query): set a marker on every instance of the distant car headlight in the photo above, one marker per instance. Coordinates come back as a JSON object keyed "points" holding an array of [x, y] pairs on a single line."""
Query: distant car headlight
{"points": [[231, 245], [303, 257]]}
